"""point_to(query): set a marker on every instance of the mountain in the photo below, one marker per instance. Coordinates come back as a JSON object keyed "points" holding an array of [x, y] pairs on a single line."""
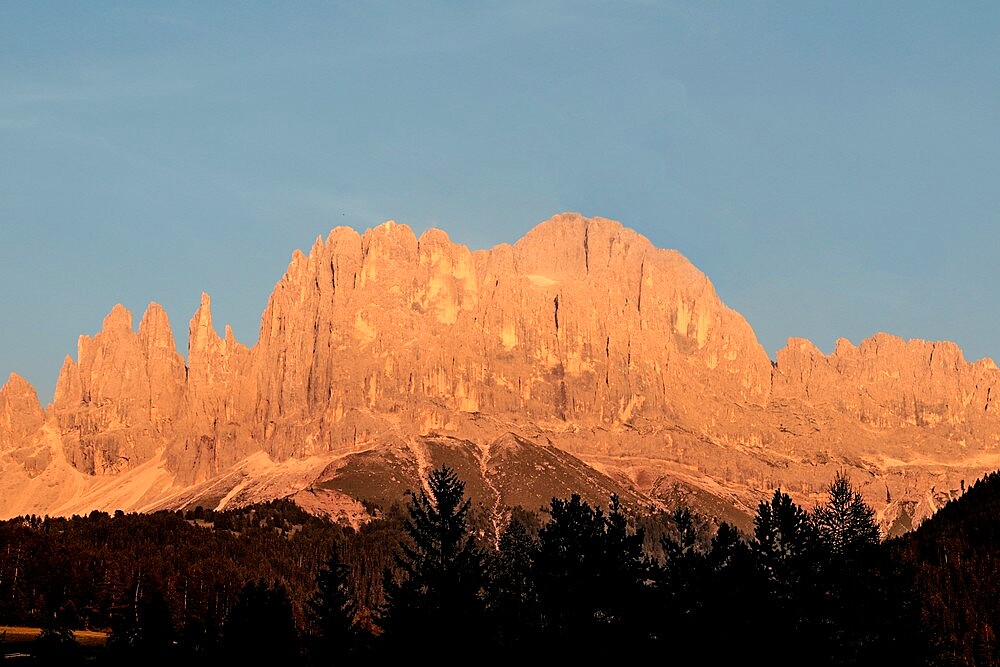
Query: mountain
{"points": [[579, 358]]}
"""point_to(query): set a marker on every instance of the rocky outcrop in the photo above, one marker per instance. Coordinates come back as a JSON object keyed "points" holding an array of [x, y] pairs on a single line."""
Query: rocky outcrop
{"points": [[581, 322], [581, 337], [216, 414], [887, 383], [913, 420], [21, 414], [24, 452], [116, 404]]}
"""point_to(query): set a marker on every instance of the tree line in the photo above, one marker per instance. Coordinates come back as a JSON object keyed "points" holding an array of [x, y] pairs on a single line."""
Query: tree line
{"points": [[272, 583]]}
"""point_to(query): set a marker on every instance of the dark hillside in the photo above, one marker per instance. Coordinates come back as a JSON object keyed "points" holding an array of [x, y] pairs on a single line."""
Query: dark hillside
{"points": [[954, 560]]}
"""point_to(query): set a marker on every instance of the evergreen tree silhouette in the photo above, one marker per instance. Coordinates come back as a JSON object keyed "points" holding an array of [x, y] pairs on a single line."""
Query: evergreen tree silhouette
{"points": [[512, 599], [260, 628], [733, 593], [784, 538], [439, 592], [591, 575], [862, 599], [681, 581], [845, 524], [331, 611], [786, 549], [627, 579]]}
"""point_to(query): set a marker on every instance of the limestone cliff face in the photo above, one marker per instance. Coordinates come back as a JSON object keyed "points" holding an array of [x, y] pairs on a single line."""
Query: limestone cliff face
{"points": [[580, 335], [216, 412], [116, 404], [581, 322], [888, 383], [21, 421], [912, 420], [20, 412]]}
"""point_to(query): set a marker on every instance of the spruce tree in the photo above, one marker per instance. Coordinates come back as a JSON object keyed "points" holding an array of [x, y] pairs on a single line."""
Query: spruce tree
{"points": [[859, 604], [438, 592], [331, 611], [512, 599], [680, 581], [784, 538], [845, 524], [260, 628], [785, 547], [591, 576]]}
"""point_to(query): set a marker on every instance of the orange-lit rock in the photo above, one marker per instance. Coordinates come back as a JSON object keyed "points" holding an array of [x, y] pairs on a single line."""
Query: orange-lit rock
{"points": [[581, 335], [115, 405], [20, 412]]}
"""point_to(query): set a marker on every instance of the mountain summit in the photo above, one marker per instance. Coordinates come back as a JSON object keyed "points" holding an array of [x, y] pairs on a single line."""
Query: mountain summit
{"points": [[580, 358]]}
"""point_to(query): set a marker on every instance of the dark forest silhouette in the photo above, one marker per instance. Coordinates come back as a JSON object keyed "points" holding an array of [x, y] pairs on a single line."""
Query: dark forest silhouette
{"points": [[576, 581]]}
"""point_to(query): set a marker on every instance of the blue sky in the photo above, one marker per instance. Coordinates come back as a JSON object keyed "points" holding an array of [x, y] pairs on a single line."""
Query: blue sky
{"points": [[834, 168]]}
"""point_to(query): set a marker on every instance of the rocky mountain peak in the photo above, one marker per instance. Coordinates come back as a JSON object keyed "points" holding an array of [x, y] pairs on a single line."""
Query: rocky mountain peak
{"points": [[20, 412], [155, 333], [17, 386], [202, 337], [580, 342], [118, 321]]}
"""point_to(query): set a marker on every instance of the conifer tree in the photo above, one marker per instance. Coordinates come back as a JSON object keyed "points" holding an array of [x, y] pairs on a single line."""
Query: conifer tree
{"points": [[512, 599], [785, 547], [591, 575], [784, 538], [260, 628], [731, 595], [858, 601], [331, 611], [845, 524], [439, 589]]}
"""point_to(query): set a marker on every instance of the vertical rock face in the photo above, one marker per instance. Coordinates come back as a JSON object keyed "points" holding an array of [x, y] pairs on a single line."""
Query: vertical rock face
{"points": [[886, 382], [639, 320], [581, 322], [116, 404], [581, 334], [912, 419], [164, 367], [214, 414], [21, 419], [20, 412]]}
